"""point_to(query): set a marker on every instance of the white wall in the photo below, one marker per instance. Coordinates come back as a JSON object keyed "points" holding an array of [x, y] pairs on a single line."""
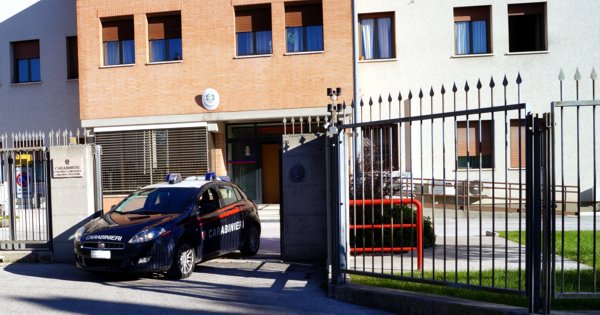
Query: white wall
{"points": [[425, 49], [424, 41], [53, 103]]}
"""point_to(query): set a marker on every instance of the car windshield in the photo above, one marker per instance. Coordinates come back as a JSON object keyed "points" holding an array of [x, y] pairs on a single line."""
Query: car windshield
{"points": [[158, 200]]}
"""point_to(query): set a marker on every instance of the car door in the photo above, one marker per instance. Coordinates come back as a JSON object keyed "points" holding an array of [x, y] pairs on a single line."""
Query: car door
{"points": [[232, 218], [209, 207]]}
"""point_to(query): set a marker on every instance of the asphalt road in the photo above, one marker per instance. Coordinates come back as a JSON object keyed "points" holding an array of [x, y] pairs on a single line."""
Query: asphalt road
{"points": [[230, 285]]}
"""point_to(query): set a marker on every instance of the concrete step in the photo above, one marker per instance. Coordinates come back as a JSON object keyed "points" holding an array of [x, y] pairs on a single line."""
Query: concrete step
{"points": [[25, 256]]}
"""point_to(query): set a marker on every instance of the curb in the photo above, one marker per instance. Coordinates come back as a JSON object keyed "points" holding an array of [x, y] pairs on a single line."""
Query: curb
{"points": [[404, 302]]}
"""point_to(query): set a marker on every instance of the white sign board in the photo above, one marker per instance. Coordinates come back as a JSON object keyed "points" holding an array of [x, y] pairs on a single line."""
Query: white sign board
{"points": [[67, 168]]}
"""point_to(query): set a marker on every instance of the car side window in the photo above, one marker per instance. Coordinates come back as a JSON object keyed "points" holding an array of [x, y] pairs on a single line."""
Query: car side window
{"points": [[209, 201], [229, 195]]}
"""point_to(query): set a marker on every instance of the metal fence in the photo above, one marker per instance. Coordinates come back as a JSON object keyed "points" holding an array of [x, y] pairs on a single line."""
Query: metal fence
{"points": [[451, 150], [25, 212], [575, 157], [509, 198]]}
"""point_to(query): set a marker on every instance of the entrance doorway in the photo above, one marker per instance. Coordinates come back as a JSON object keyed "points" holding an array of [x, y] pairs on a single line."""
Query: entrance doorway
{"points": [[270, 173]]}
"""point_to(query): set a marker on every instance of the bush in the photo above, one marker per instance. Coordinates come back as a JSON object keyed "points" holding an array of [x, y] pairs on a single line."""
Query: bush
{"points": [[403, 237]]}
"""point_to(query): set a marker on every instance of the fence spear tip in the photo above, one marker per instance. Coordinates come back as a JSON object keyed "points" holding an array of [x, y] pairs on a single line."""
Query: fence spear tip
{"points": [[561, 75], [399, 96], [380, 100], [519, 79], [479, 84], [431, 92], [443, 90], [492, 83], [577, 76], [454, 89], [389, 97], [420, 93], [593, 75], [505, 81], [410, 96], [466, 86], [370, 101]]}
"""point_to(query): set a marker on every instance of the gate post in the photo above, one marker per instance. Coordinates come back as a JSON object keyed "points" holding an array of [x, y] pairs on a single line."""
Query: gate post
{"points": [[538, 207], [11, 197]]}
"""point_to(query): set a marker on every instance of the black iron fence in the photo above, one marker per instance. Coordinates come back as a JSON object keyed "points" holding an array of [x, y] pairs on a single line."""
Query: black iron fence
{"points": [[503, 191]]}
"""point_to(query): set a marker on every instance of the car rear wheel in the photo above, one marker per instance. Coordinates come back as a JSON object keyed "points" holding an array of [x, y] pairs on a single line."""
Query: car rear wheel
{"points": [[252, 241], [183, 262]]}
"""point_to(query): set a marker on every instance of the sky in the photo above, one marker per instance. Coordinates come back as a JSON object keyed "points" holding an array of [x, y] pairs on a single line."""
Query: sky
{"points": [[9, 8]]}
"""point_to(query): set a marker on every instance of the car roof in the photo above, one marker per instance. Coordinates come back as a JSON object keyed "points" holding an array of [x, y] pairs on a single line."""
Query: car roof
{"points": [[190, 182]]}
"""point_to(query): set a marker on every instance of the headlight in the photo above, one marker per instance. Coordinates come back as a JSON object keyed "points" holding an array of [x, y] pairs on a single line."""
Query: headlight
{"points": [[147, 235], [79, 233]]}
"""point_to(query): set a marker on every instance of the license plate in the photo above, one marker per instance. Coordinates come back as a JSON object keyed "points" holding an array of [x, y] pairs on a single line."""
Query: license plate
{"points": [[101, 254]]}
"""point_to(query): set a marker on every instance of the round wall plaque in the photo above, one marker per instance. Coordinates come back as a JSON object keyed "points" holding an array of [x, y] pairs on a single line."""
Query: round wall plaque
{"points": [[210, 99]]}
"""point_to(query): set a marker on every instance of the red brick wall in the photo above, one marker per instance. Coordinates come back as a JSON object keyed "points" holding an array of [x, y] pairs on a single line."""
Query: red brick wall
{"points": [[278, 81]]}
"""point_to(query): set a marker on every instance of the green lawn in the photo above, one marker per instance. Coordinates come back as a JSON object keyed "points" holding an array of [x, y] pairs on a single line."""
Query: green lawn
{"points": [[565, 281]]}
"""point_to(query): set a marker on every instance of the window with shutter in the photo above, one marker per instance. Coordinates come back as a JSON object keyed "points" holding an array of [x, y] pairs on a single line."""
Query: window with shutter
{"points": [[133, 159], [164, 35], [253, 30], [304, 27], [517, 143], [377, 36], [117, 42], [26, 61], [475, 146], [472, 30]]}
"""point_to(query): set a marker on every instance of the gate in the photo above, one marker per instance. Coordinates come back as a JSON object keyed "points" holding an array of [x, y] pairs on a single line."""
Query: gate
{"points": [[24, 193], [478, 162], [575, 156]]}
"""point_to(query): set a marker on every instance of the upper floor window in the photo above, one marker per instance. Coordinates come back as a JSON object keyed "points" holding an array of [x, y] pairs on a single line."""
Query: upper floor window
{"points": [[117, 42], [475, 145], [26, 61], [72, 59], [376, 36], [527, 27], [253, 30], [304, 27], [472, 30], [164, 35]]}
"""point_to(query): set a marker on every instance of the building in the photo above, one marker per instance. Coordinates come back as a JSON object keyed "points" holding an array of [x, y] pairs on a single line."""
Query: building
{"points": [[413, 45], [38, 66], [192, 86]]}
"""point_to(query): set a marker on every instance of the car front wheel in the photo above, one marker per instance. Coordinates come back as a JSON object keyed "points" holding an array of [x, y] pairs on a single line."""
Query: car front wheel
{"points": [[183, 262]]}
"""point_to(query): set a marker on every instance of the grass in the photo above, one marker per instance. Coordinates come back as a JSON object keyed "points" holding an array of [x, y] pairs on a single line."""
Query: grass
{"points": [[566, 281]]}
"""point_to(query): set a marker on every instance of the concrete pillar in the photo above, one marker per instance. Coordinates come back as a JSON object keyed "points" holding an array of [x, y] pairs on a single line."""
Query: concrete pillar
{"points": [[72, 195]]}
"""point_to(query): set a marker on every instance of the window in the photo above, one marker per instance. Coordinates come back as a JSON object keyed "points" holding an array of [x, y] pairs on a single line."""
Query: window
{"points": [[136, 158], [474, 143], [304, 27], [117, 42], [26, 59], [253, 30], [527, 27], [229, 195], [517, 143], [472, 30], [164, 35], [376, 36], [72, 59]]}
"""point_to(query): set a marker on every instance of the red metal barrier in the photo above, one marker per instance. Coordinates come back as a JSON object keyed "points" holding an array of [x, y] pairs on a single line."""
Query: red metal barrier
{"points": [[418, 225]]}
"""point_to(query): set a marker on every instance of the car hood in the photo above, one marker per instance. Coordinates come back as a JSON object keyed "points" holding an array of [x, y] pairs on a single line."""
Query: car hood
{"points": [[115, 226]]}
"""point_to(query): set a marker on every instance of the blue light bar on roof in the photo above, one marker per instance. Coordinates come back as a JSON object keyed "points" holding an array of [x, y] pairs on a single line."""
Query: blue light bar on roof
{"points": [[173, 178]]}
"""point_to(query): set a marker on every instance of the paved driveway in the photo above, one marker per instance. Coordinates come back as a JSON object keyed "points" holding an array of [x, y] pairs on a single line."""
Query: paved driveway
{"points": [[232, 285]]}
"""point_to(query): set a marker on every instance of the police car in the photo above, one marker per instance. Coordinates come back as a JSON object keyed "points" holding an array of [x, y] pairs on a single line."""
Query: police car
{"points": [[169, 227]]}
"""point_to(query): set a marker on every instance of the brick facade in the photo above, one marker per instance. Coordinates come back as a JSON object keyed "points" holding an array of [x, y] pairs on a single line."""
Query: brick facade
{"points": [[277, 81]]}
